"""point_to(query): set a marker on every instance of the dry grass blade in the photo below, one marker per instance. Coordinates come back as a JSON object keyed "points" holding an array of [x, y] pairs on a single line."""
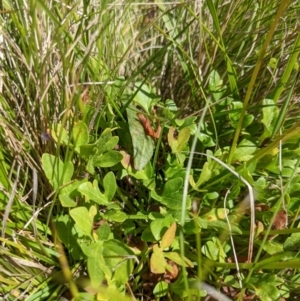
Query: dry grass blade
{"points": [[9, 204]]}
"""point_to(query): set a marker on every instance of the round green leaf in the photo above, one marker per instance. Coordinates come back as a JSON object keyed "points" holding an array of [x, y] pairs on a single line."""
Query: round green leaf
{"points": [[57, 171], [160, 289], [83, 220], [80, 135], [109, 159], [110, 185]]}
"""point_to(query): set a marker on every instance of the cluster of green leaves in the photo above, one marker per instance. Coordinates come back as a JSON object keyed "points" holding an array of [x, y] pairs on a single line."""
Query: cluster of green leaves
{"points": [[93, 198]]}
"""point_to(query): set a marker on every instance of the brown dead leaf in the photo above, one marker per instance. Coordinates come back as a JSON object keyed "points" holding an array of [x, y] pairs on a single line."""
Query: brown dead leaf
{"points": [[262, 207], [280, 221], [136, 243], [171, 276], [126, 161], [147, 126]]}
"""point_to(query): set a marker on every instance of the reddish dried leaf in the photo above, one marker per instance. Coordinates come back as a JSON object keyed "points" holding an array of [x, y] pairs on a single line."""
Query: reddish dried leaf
{"points": [[148, 128], [280, 220], [262, 207], [126, 159], [136, 243], [171, 275]]}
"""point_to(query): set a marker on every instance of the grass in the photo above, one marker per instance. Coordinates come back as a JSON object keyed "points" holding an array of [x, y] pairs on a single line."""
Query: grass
{"points": [[149, 150]]}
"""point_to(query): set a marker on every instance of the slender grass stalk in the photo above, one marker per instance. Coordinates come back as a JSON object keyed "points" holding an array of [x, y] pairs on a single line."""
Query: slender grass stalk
{"points": [[287, 71], [265, 46]]}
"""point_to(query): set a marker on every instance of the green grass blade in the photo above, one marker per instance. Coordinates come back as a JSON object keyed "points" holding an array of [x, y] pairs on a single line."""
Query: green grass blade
{"points": [[283, 6]]}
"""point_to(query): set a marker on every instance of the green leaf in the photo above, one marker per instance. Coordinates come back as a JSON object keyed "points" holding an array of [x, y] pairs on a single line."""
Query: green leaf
{"points": [[171, 105], [179, 287], [108, 145], [206, 140], [149, 183], [94, 252], [235, 113], [66, 201], [173, 186], [160, 289], [103, 140], [174, 256], [179, 143], [145, 174], [214, 250], [205, 174], [216, 85], [248, 119], [292, 242], [103, 232], [215, 214], [57, 171], [92, 192], [231, 281], [183, 139], [191, 228], [273, 63], [194, 286], [110, 185], [119, 258], [108, 159], [116, 216], [88, 249], [272, 247], [80, 135], [84, 297], [64, 226], [270, 113], [168, 237], [147, 235], [172, 201], [265, 286], [4, 171], [110, 293], [210, 196], [95, 270], [59, 134], [244, 151], [188, 121], [143, 97], [225, 102], [68, 193], [72, 188], [87, 150], [90, 167], [143, 145], [220, 226], [171, 139], [83, 220], [159, 225], [93, 210], [105, 143]]}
